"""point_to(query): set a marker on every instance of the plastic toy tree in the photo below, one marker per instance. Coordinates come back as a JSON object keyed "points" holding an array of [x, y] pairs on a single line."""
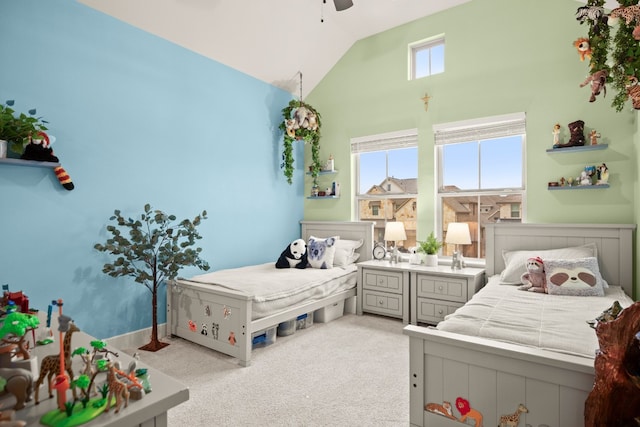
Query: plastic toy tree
{"points": [[155, 250], [15, 327]]}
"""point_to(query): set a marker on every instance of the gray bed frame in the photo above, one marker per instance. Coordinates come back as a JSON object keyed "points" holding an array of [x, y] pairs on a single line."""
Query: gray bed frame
{"points": [[195, 304], [497, 377]]}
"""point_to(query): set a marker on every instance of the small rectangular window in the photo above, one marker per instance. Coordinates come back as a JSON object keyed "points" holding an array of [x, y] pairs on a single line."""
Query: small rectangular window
{"points": [[426, 57]]}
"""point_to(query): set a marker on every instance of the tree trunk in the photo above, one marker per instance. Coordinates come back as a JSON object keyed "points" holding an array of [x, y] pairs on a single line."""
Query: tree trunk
{"points": [[155, 344]]}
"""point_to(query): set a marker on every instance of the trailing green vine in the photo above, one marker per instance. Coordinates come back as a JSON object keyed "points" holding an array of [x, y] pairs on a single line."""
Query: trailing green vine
{"points": [[300, 122], [618, 56]]}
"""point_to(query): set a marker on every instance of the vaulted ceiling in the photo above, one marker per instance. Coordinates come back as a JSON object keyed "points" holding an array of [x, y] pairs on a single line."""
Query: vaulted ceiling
{"points": [[271, 40]]}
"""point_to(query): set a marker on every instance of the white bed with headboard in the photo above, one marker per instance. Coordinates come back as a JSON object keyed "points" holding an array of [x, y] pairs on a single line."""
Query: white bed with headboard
{"points": [[223, 309], [495, 377]]}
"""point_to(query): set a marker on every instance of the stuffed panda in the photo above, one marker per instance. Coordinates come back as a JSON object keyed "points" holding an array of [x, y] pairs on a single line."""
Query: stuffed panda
{"points": [[294, 256]]}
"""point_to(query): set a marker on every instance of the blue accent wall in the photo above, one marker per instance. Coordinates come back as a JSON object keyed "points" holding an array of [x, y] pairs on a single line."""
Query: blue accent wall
{"points": [[137, 120]]}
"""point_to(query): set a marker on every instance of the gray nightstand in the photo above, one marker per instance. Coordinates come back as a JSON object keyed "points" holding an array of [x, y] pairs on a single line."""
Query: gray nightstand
{"points": [[438, 291], [383, 288]]}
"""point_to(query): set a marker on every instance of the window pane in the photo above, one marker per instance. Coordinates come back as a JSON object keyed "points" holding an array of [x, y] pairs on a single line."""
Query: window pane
{"points": [[403, 164], [373, 170], [460, 166], [437, 59], [501, 163], [421, 63], [478, 209]]}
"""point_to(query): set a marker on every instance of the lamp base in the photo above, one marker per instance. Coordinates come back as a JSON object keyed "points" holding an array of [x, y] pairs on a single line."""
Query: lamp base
{"points": [[456, 261]]}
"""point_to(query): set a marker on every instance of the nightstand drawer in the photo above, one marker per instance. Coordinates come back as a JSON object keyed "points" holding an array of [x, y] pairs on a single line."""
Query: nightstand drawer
{"points": [[440, 287], [385, 281], [433, 310], [382, 303]]}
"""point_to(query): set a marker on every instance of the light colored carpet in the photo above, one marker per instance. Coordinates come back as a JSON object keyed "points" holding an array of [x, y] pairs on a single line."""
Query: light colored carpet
{"points": [[352, 371]]}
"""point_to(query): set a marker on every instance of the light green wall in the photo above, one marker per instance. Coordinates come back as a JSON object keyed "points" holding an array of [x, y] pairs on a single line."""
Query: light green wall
{"points": [[502, 56]]}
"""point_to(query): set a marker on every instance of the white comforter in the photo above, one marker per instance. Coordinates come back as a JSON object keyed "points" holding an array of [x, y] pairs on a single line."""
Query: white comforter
{"points": [[274, 289], [551, 322]]}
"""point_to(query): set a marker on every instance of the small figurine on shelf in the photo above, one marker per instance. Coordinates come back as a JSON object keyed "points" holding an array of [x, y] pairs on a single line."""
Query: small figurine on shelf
{"points": [[556, 134], [585, 179], [593, 136], [329, 165], [603, 174], [315, 190]]}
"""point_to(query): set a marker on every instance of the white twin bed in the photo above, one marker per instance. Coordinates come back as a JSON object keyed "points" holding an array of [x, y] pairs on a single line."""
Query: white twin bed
{"points": [[224, 310], [507, 347]]}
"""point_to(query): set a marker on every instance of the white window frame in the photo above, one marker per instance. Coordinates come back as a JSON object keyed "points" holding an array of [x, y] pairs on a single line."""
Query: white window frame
{"points": [[407, 138], [477, 130], [426, 44]]}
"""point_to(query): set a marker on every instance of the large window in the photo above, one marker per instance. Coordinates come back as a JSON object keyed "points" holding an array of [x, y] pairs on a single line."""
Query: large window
{"points": [[387, 181], [426, 57], [481, 176]]}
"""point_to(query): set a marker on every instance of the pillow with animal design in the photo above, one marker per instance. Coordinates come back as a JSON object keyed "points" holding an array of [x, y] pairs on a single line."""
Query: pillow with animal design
{"points": [[321, 252], [579, 277]]}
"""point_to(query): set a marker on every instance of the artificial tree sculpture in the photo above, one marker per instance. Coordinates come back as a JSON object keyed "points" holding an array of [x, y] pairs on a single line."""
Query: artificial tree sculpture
{"points": [[15, 327], [156, 249]]}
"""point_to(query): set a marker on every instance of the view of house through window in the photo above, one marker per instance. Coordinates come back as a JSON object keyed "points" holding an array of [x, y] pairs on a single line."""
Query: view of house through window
{"points": [[387, 182], [480, 177]]}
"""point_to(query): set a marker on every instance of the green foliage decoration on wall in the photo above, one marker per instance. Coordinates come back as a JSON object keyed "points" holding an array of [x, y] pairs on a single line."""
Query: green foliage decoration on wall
{"points": [[618, 55], [300, 122]]}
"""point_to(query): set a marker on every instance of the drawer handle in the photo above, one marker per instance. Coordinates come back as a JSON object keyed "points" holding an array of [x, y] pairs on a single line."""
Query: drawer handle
{"points": [[440, 287], [380, 302], [381, 281], [440, 311]]}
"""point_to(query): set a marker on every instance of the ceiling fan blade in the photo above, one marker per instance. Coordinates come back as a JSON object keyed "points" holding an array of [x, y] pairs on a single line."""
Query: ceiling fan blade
{"points": [[342, 4]]}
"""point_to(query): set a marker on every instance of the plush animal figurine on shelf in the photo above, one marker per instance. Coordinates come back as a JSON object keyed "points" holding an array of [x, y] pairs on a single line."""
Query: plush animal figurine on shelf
{"points": [[598, 82], [294, 256], [534, 280], [40, 149]]}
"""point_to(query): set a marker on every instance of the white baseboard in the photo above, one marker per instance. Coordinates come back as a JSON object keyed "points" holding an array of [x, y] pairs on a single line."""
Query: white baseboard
{"points": [[137, 338]]}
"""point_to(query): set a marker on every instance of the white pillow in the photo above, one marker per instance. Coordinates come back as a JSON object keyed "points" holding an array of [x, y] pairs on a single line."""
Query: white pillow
{"points": [[515, 262], [321, 252], [345, 251]]}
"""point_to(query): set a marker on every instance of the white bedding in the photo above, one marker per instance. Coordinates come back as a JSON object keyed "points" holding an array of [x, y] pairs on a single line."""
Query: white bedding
{"points": [[551, 322], [274, 289]]}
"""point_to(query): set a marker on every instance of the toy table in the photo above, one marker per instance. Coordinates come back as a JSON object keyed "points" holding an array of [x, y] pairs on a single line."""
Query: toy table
{"points": [[151, 410]]}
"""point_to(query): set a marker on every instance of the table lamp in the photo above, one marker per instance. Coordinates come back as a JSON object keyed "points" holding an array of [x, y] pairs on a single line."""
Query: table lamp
{"points": [[458, 234], [394, 231]]}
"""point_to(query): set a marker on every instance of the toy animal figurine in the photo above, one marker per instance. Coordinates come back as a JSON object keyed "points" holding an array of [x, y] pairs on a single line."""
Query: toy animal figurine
{"points": [[512, 420], [584, 48], [629, 14], [50, 365], [603, 174], [117, 389], [468, 412], [19, 382], [534, 279], [598, 82]]}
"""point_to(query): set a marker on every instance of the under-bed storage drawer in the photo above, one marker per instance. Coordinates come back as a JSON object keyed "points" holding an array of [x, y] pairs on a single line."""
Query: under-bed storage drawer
{"points": [[382, 303], [434, 310], [385, 281], [440, 287]]}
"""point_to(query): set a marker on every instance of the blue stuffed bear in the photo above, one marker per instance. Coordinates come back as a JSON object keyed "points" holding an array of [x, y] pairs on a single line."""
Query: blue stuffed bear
{"points": [[294, 256]]}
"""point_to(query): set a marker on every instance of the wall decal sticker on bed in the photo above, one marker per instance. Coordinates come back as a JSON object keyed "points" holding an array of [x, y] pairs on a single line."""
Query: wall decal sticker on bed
{"points": [[215, 327], [512, 420], [192, 326], [444, 409], [468, 412], [232, 338], [207, 311], [204, 331], [226, 311]]}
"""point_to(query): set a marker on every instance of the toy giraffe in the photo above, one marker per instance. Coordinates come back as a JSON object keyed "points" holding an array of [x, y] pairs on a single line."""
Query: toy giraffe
{"points": [[116, 388], [50, 365], [512, 420]]}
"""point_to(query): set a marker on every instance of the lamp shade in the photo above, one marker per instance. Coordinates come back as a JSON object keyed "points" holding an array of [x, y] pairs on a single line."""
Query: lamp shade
{"points": [[458, 233], [394, 231]]}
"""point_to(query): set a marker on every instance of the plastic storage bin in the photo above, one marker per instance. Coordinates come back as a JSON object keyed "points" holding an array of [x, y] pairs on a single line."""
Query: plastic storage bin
{"points": [[263, 338], [304, 320], [287, 328], [330, 312]]}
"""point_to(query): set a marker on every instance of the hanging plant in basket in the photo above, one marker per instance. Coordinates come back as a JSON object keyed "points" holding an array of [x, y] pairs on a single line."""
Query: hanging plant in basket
{"points": [[300, 122]]}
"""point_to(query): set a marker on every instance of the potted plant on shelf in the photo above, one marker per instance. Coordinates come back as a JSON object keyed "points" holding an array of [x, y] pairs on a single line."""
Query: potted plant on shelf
{"points": [[300, 122], [155, 251], [430, 248], [17, 129]]}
